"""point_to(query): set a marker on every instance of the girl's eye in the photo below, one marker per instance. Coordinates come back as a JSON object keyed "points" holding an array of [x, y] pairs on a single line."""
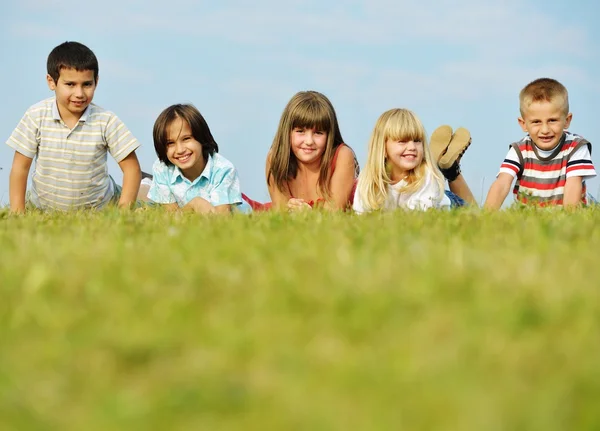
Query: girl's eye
{"points": [[168, 144]]}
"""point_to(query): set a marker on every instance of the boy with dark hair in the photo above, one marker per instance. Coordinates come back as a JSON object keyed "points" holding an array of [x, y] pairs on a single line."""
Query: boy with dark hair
{"points": [[550, 164], [69, 138]]}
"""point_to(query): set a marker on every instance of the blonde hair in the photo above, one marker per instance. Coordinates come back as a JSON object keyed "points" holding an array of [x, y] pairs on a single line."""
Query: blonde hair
{"points": [[543, 90], [305, 109], [373, 181]]}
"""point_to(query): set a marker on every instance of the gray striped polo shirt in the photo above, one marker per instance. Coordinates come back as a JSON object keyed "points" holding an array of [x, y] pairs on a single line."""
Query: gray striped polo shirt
{"points": [[70, 168]]}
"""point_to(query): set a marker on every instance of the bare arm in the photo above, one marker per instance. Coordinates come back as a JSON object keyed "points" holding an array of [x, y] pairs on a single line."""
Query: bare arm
{"points": [[342, 180], [460, 188], [498, 191], [573, 191], [18, 182], [132, 176], [202, 206], [279, 198]]}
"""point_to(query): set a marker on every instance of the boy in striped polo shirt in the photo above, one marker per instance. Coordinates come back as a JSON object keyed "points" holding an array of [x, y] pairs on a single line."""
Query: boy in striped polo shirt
{"points": [[69, 137], [550, 164]]}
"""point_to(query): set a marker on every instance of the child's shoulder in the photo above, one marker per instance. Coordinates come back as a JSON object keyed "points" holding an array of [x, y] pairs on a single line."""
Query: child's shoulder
{"points": [[160, 167], [574, 137], [345, 150], [98, 111], [41, 107], [522, 141], [221, 162], [344, 155]]}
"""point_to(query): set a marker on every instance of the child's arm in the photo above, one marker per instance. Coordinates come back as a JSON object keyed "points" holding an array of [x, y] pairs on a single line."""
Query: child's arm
{"points": [[342, 180], [18, 182], [498, 191], [461, 189], [202, 206], [573, 191], [132, 176], [579, 169], [223, 192]]}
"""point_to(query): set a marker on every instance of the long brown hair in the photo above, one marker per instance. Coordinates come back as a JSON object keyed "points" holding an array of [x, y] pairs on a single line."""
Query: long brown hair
{"points": [[309, 109]]}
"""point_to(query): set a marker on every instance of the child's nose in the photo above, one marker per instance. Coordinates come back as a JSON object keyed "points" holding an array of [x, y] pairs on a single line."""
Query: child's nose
{"points": [[308, 138]]}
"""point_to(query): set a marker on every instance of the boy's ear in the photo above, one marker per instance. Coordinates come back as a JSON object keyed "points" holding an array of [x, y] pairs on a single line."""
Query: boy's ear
{"points": [[522, 124], [568, 120], [51, 83]]}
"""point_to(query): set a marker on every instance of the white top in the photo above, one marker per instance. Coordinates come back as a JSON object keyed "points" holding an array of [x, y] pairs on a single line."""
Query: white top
{"points": [[429, 196]]}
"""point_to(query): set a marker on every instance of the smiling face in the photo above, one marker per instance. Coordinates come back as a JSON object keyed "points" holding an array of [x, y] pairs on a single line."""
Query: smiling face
{"points": [[308, 144], [403, 156], [183, 150], [74, 91], [545, 121]]}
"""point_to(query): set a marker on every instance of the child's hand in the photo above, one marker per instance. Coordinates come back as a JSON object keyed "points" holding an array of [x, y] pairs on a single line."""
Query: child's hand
{"points": [[200, 205], [298, 205]]}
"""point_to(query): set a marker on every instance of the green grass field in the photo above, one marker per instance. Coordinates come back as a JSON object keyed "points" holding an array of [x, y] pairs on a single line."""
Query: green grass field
{"points": [[449, 321]]}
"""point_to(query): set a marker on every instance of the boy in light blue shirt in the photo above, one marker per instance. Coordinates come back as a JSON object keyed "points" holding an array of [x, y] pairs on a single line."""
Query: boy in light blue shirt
{"points": [[190, 173]]}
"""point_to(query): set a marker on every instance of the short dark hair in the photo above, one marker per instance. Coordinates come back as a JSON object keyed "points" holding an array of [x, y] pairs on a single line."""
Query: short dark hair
{"points": [[200, 130], [71, 55]]}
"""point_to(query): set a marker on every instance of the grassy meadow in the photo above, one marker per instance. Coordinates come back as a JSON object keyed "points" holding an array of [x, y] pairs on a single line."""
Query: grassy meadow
{"points": [[455, 320]]}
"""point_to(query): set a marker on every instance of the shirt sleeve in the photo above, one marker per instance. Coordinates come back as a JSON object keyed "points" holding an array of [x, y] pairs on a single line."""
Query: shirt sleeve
{"points": [[226, 190], [119, 139], [160, 191], [580, 164], [25, 138], [511, 164]]}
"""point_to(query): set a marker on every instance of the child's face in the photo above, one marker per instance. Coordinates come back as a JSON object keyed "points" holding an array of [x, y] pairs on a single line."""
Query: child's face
{"points": [[308, 144], [404, 156], [74, 91], [545, 122], [183, 150]]}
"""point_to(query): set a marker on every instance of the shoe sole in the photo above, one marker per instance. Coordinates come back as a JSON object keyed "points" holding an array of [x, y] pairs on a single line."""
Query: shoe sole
{"points": [[439, 141], [458, 145]]}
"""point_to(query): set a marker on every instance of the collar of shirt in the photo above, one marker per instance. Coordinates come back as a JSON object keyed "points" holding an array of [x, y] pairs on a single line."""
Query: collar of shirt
{"points": [[56, 114], [206, 173]]}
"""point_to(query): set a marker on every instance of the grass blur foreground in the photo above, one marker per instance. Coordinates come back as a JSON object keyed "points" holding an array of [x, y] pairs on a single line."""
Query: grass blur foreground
{"points": [[457, 320]]}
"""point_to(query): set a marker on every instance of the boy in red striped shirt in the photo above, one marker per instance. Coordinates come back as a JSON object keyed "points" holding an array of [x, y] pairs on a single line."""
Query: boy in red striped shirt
{"points": [[550, 163]]}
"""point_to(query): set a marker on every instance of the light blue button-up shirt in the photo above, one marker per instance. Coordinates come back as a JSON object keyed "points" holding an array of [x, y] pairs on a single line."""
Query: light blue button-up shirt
{"points": [[218, 183]]}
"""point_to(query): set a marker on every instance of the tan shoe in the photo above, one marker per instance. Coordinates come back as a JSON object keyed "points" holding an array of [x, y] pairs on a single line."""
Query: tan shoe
{"points": [[461, 139], [439, 141]]}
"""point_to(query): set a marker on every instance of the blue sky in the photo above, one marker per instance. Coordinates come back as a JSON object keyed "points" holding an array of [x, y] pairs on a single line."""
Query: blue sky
{"points": [[459, 62]]}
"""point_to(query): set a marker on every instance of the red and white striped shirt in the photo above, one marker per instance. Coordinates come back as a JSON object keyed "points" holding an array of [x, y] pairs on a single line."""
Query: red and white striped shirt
{"points": [[541, 175]]}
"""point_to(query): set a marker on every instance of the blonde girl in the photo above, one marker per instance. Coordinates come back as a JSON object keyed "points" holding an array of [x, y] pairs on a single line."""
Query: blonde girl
{"points": [[308, 164], [401, 171]]}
